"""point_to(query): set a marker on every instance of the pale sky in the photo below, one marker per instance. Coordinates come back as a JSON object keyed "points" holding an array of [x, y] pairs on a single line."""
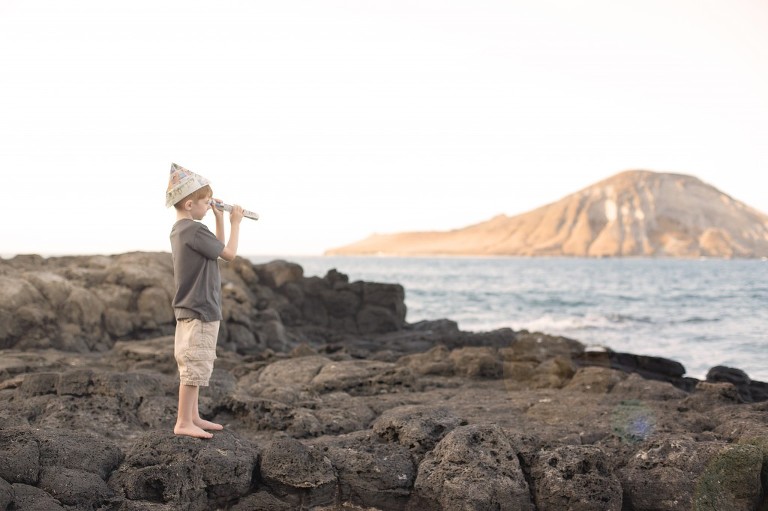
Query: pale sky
{"points": [[338, 119]]}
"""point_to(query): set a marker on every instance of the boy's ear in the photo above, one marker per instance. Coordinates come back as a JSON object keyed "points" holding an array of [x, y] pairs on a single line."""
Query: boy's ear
{"points": [[188, 204]]}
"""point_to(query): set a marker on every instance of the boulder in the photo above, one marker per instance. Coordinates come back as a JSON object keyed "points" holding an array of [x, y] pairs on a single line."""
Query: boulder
{"points": [[263, 414], [538, 347], [23, 311], [19, 456], [577, 478], [18, 292], [477, 362], [599, 380], [417, 428], [293, 371], [679, 473], [554, 372], [389, 296], [37, 384], [635, 386], [298, 474], [55, 288], [473, 467], [186, 472], [6, 494], [30, 498], [361, 376], [749, 391], [340, 413], [435, 361], [72, 487], [340, 303], [653, 368], [277, 273], [78, 450], [153, 306], [371, 473]]}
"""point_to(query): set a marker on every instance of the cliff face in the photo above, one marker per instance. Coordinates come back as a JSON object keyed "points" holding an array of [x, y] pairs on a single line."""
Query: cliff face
{"points": [[634, 213]]}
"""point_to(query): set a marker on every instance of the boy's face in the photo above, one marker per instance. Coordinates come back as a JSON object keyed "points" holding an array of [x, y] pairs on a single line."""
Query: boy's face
{"points": [[200, 207]]}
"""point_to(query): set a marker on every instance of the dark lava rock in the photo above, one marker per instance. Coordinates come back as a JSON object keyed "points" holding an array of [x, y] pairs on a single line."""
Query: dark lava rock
{"points": [[473, 467], [186, 472], [577, 478], [302, 475]]}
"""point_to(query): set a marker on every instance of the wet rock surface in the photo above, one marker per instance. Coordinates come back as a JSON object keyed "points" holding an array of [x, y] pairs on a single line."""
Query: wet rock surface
{"points": [[330, 400]]}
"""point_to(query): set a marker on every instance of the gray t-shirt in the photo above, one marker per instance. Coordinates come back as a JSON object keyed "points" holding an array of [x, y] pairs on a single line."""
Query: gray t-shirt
{"points": [[196, 274]]}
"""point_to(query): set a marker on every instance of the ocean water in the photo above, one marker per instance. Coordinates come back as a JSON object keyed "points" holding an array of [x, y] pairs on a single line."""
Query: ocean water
{"points": [[701, 313]]}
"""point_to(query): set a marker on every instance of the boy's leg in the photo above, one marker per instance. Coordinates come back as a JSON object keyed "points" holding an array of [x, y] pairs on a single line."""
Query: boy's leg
{"points": [[188, 393], [209, 332], [202, 423], [185, 420], [195, 350]]}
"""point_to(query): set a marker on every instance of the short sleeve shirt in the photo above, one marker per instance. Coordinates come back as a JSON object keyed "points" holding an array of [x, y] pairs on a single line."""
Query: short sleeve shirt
{"points": [[196, 274]]}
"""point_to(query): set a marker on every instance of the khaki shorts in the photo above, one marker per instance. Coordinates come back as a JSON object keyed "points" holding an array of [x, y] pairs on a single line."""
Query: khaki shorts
{"points": [[195, 350]]}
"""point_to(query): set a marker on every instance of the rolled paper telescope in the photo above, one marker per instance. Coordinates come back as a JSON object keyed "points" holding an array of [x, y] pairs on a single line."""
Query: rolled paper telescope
{"points": [[226, 207]]}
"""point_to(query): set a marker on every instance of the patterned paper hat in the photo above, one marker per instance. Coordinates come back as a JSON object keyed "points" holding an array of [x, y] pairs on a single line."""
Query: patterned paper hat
{"points": [[182, 183]]}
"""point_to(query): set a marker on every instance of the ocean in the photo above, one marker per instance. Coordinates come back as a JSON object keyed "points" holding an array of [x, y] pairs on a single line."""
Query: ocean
{"points": [[701, 313]]}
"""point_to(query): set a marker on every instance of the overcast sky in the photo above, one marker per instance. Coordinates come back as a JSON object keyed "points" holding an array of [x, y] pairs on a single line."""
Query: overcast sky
{"points": [[338, 119]]}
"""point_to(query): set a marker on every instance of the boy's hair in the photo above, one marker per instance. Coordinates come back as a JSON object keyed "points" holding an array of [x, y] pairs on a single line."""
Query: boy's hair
{"points": [[200, 193]]}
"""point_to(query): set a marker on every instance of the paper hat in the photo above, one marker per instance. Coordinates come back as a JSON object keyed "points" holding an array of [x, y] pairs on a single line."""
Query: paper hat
{"points": [[182, 183]]}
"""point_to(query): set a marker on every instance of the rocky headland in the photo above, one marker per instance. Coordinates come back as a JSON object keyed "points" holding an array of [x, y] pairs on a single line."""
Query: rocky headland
{"points": [[332, 400], [636, 213]]}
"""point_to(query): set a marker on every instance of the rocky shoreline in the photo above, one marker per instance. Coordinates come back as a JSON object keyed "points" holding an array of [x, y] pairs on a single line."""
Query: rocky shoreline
{"points": [[331, 400]]}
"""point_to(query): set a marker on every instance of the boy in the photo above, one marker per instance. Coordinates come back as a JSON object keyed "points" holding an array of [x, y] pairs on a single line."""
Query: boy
{"points": [[197, 303]]}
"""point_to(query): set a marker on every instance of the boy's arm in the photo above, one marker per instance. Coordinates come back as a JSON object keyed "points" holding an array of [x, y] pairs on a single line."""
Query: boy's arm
{"points": [[235, 217], [219, 215]]}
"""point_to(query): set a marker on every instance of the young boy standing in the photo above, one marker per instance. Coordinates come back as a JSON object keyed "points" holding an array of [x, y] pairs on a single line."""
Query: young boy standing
{"points": [[197, 302]]}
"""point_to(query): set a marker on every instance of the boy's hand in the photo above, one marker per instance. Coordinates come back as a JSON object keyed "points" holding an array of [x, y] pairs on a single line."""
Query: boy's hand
{"points": [[219, 214], [236, 215]]}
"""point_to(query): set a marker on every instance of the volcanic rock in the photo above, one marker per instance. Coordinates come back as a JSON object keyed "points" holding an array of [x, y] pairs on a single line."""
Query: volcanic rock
{"points": [[322, 413]]}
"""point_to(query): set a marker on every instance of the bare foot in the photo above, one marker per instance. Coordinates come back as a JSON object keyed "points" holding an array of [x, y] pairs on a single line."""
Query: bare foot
{"points": [[204, 424], [193, 431]]}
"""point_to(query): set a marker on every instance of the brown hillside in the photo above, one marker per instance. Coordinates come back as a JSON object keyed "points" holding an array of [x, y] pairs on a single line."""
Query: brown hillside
{"points": [[634, 213]]}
